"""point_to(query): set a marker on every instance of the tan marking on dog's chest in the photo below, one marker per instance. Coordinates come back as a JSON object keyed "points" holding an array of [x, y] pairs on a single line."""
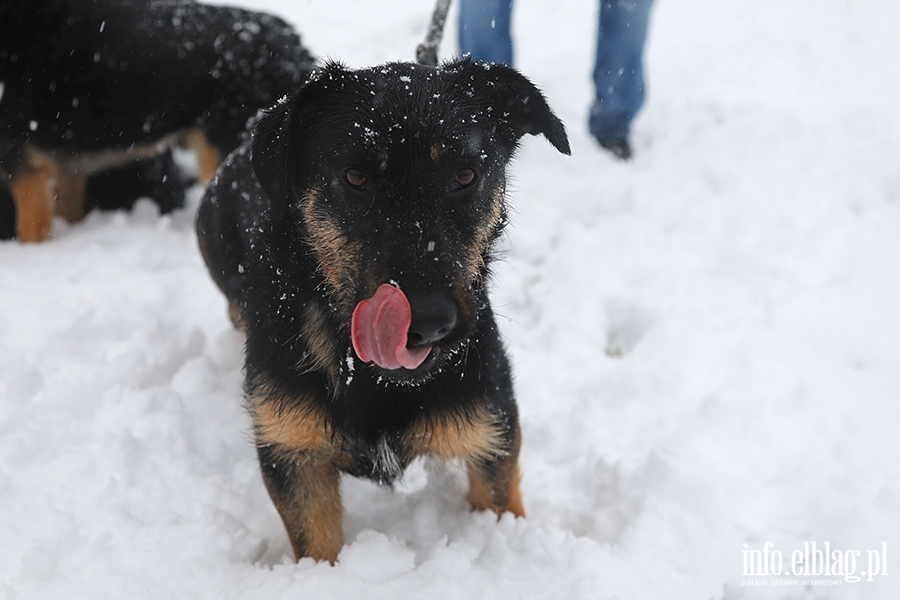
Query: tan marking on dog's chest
{"points": [[477, 437], [300, 428]]}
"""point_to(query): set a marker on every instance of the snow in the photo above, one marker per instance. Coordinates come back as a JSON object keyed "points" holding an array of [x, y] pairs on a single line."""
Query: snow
{"points": [[705, 341]]}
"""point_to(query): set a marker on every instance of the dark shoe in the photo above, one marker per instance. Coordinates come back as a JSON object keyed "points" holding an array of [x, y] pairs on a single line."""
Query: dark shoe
{"points": [[620, 147]]}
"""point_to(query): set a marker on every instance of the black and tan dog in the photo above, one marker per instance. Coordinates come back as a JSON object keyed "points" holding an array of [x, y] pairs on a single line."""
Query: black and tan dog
{"points": [[86, 85], [353, 239]]}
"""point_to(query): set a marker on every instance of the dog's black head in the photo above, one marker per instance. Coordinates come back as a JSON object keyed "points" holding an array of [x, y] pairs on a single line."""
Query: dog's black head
{"points": [[396, 175]]}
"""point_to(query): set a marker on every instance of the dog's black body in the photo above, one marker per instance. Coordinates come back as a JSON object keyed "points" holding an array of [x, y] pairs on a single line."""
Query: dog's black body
{"points": [[91, 84], [393, 174], [158, 178]]}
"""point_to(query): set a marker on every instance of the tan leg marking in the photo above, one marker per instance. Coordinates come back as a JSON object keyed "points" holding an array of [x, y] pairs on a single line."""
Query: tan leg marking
{"points": [[310, 502], [208, 156], [33, 192], [315, 522], [70, 196], [493, 469], [482, 494]]}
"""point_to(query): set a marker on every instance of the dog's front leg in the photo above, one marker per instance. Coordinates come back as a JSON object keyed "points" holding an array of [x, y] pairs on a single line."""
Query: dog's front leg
{"points": [[494, 483], [299, 467], [488, 441], [33, 192], [208, 156], [305, 487], [70, 196]]}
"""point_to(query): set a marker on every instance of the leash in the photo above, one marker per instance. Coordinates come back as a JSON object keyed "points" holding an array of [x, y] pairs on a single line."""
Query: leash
{"points": [[426, 52]]}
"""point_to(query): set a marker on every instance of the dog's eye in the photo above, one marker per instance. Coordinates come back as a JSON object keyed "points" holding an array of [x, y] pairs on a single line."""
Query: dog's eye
{"points": [[464, 178], [356, 178]]}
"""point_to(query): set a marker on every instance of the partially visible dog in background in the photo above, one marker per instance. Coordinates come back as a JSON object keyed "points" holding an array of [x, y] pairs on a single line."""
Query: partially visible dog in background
{"points": [[88, 85], [158, 178]]}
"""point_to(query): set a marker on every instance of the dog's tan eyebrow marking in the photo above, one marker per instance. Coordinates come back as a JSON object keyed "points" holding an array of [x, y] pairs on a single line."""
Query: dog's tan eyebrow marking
{"points": [[437, 151], [381, 154]]}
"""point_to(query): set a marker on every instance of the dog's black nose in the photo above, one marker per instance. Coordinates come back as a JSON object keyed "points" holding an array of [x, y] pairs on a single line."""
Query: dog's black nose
{"points": [[433, 318]]}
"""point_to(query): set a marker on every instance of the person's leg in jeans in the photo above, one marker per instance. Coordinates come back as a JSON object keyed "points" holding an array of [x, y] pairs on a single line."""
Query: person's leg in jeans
{"points": [[484, 30], [619, 72]]}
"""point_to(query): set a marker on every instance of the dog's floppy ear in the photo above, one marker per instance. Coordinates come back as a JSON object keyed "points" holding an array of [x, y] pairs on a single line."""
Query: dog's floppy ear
{"points": [[274, 143], [269, 149], [278, 134], [518, 101]]}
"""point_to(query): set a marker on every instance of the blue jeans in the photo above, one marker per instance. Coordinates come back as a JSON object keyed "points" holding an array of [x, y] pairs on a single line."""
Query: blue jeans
{"points": [[619, 67], [484, 32], [484, 27]]}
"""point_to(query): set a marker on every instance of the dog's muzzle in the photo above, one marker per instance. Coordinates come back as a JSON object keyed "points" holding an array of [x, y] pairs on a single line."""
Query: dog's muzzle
{"points": [[381, 331]]}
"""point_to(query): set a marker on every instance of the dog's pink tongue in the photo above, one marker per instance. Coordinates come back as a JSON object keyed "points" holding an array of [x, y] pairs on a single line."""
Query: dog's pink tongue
{"points": [[379, 330]]}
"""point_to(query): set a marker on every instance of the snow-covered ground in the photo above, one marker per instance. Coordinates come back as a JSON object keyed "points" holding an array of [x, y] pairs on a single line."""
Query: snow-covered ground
{"points": [[706, 342]]}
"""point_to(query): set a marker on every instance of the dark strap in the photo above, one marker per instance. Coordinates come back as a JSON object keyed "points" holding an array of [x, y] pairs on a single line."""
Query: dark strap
{"points": [[426, 52]]}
